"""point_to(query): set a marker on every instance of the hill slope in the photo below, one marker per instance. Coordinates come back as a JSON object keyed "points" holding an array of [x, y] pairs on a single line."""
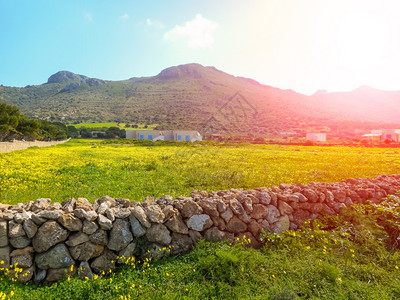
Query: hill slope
{"points": [[187, 96]]}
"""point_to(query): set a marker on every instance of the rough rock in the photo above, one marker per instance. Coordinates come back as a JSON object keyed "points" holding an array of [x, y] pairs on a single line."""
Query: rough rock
{"points": [[136, 227], [181, 243], [281, 225], [120, 235], [30, 228], [5, 257], [84, 270], [3, 234], [159, 233], [83, 203], [104, 262], [236, 225], [199, 222], [209, 207], [214, 235], [49, 234], [154, 213], [99, 237], [70, 222], [104, 222], [176, 224], [128, 251], [284, 208], [55, 258], [190, 208], [141, 216], [41, 204], [259, 211], [76, 239], [89, 227], [84, 251], [15, 229], [20, 242]]}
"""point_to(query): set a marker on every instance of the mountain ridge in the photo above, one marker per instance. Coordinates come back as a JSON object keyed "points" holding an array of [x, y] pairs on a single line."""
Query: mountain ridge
{"points": [[187, 95]]}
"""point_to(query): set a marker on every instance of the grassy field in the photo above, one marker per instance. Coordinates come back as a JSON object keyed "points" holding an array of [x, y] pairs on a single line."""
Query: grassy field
{"points": [[352, 261], [91, 169]]}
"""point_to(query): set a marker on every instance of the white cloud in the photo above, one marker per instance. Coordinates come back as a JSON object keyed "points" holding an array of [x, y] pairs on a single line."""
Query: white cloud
{"points": [[124, 17], [89, 17], [197, 33], [154, 24]]}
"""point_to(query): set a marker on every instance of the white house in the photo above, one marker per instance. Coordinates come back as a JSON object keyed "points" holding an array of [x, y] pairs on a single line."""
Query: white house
{"points": [[164, 135], [383, 134], [316, 137]]}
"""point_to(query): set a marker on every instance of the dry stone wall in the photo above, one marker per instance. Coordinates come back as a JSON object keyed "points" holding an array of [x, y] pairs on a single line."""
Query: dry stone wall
{"points": [[21, 145], [49, 240]]}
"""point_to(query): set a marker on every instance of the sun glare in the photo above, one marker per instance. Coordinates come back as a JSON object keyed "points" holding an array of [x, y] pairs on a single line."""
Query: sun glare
{"points": [[362, 41]]}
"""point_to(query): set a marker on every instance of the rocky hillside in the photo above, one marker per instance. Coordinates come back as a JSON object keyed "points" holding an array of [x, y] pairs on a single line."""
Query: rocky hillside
{"points": [[195, 97]]}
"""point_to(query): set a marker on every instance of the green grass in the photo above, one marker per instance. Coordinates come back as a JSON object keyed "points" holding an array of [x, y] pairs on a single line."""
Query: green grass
{"points": [[307, 264], [91, 169], [354, 260]]}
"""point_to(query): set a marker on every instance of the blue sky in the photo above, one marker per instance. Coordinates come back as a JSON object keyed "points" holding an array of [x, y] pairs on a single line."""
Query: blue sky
{"points": [[292, 44]]}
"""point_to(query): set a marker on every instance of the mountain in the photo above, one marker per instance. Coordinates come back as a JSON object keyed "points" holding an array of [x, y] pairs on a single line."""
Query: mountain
{"points": [[204, 98], [363, 103]]}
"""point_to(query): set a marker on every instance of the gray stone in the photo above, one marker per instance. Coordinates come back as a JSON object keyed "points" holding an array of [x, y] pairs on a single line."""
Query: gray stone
{"points": [[90, 215], [159, 233], [284, 208], [281, 225], [214, 235], [5, 257], [23, 261], [190, 208], [110, 214], [48, 235], [84, 251], [69, 205], [209, 207], [195, 235], [121, 213], [89, 227], [273, 214], [85, 270], [76, 239], [55, 258], [70, 222], [104, 262], [15, 229], [104, 222], [236, 225], [120, 235], [259, 211], [3, 234], [50, 214], [58, 274], [37, 220], [41, 204], [176, 224], [141, 216], [227, 215], [20, 242], [30, 228], [199, 222], [154, 213], [236, 207], [83, 203], [39, 275], [99, 237], [181, 243], [127, 252], [136, 227], [21, 217]]}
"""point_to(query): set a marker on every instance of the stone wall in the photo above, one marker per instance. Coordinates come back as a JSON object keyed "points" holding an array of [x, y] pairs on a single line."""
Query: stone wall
{"points": [[49, 240], [21, 145]]}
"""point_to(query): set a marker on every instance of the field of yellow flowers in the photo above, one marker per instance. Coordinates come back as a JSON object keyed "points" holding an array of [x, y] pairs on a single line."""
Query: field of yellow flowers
{"points": [[91, 169], [352, 260]]}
